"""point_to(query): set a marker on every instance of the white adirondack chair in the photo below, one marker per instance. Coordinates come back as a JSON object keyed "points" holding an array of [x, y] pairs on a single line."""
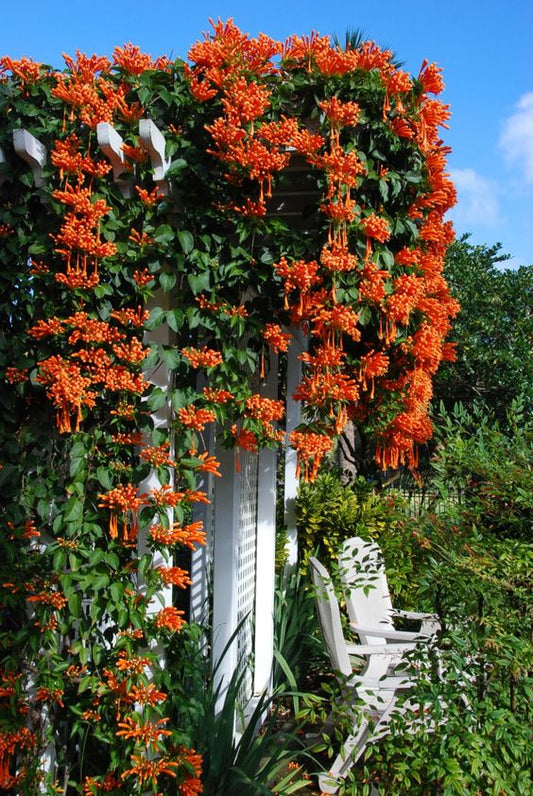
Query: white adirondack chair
{"points": [[365, 671], [368, 601]]}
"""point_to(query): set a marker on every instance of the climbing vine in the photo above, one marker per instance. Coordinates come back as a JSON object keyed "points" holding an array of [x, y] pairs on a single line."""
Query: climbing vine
{"points": [[98, 494]]}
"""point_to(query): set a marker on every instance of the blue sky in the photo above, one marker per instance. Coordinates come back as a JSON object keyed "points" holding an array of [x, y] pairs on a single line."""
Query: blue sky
{"points": [[484, 46]]}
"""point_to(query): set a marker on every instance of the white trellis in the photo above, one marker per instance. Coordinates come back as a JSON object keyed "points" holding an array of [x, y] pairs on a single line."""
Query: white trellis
{"points": [[236, 568]]}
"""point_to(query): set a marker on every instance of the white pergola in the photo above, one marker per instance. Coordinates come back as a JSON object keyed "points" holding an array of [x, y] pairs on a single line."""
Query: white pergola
{"points": [[235, 570]]}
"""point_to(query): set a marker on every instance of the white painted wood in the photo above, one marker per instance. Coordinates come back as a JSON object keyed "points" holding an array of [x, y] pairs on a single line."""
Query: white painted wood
{"points": [[3, 177], [293, 419], [32, 151], [161, 377], [265, 552], [110, 142], [368, 600], [201, 558], [225, 568], [153, 141], [370, 691]]}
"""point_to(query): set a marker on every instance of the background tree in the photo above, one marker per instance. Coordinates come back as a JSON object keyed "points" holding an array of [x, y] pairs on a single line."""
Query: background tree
{"points": [[494, 330]]}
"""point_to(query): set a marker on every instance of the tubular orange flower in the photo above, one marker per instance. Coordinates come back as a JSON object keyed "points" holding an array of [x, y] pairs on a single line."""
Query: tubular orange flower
{"points": [[16, 375], [149, 198], [264, 409], [143, 278], [132, 60], [145, 770], [196, 419], [217, 396], [131, 663], [202, 358], [310, 450], [170, 619], [165, 496], [245, 439], [67, 388], [158, 456], [209, 464], [148, 734], [136, 317], [146, 694], [376, 227], [123, 499], [175, 576], [276, 339]]}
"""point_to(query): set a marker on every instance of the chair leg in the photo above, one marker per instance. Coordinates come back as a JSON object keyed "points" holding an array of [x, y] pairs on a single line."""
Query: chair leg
{"points": [[349, 754]]}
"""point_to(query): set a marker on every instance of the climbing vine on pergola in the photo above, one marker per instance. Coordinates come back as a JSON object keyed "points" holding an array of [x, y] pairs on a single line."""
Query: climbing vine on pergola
{"points": [[207, 249]]}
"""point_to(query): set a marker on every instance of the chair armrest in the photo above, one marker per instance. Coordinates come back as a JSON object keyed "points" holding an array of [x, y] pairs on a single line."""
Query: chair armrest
{"points": [[393, 635], [414, 615], [381, 649]]}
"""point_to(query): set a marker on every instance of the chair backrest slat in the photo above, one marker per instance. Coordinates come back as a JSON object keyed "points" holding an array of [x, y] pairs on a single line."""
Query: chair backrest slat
{"points": [[330, 618], [362, 572]]}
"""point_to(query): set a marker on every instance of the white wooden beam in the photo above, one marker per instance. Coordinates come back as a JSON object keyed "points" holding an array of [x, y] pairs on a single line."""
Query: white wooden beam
{"points": [[153, 141], [110, 142], [32, 151]]}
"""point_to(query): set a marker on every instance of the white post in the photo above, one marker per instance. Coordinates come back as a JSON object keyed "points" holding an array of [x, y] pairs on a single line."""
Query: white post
{"points": [[202, 555], [293, 419], [265, 552], [159, 376], [225, 568]]}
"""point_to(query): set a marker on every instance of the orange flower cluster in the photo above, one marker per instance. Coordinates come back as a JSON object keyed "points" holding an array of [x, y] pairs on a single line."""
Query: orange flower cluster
{"points": [[27, 70], [157, 456], [188, 535], [131, 60], [194, 418], [123, 500], [75, 382], [230, 65], [147, 734], [251, 147], [203, 357], [264, 409], [94, 98], [311, 449], [175, 576], [11, 742], [16, 375], [276, 339], [79, 238]]}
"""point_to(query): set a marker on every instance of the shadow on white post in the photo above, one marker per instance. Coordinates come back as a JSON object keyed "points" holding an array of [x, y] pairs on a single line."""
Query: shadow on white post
{"points": [[293, 419]]}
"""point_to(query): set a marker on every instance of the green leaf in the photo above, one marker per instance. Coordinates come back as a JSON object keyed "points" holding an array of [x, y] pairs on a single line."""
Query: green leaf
{"points": [[157, 317], [73, 509], [171, 357], [175, 319], [104, 477], [164, 234], [176, 167], [157, 399], [74, 604], [117, 592], [167, 281], [199, 282], [186, 241]]}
